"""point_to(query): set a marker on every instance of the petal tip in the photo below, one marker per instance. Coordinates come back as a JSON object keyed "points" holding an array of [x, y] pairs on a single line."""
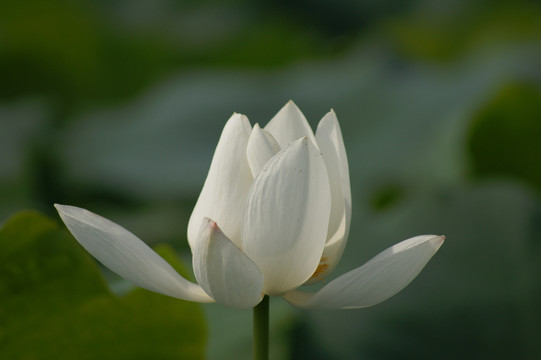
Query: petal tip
{"points": [[60, 206], [300, 144], [290, 105], [68, 210], [238, 117], [210, 225], [328, 120], [437, 241]]}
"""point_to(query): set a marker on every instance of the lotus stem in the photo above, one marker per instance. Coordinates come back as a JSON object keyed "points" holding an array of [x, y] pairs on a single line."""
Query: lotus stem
{"points": [[261, 330]]}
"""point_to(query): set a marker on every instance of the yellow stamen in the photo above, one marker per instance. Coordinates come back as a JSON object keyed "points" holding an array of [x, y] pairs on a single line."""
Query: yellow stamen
{"points": [[321, 269]]}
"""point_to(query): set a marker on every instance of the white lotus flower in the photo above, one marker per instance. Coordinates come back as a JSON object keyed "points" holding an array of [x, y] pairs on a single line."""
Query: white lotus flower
{"points": [[274, 214]]}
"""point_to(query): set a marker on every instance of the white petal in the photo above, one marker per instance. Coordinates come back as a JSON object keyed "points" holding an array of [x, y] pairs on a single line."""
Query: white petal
{"points": [[224, 271], [261, 148], [126, 255], [227, 183], [286, 216], [377, 280], [289, 124], [331, 144]]}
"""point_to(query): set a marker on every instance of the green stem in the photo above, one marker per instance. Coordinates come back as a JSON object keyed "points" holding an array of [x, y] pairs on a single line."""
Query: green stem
{"points": [[261, 330]]}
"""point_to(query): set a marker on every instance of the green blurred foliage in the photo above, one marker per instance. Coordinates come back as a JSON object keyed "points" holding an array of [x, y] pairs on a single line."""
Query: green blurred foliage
{"points": [[449, 30], [69, 52], [505, 135], [54, 303], [387, 196], [83, 52]]}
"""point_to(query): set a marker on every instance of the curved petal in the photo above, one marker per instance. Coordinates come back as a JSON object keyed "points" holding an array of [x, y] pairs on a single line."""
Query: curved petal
{"points": [[289, 124], [331, 144], [377, 280], [286, 216], [126, 255], [227, 183], [261, 148], [224, 271]]}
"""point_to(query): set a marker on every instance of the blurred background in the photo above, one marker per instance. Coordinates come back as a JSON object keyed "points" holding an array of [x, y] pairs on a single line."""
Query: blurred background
{"points": [[116, 106]]}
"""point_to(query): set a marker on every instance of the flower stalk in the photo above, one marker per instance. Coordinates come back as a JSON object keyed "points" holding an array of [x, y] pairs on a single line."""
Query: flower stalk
{"points": [[261, 330]]}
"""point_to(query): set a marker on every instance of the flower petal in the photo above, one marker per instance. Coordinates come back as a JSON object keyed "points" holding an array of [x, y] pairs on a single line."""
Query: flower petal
{"points": [[286, 216], [227, 183], [289, 124], [261, 148], [224, 271], [331, 144], [126, 255], [377, 280]]}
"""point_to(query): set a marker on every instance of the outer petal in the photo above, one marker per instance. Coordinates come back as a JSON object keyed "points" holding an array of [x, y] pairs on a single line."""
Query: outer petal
{"points": [[377, 280], [331, 144], [128, 256], [227, 183], [289, 124], [224, 271], [261, 148], [286, 216]]}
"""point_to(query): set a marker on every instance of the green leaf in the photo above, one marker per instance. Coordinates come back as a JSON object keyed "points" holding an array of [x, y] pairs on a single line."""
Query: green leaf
{"points": [[504, 136], [55, 304]]}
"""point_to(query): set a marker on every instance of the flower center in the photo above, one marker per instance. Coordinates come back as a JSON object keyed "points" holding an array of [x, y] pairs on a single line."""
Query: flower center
{"points": [[320, 270]]}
